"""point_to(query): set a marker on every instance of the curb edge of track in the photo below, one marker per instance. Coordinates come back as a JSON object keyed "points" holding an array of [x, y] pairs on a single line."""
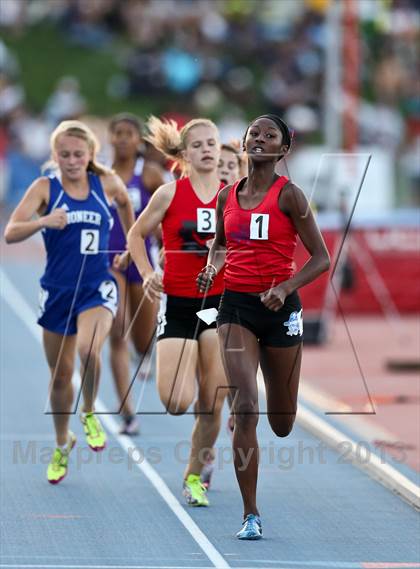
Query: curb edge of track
{"points": [[374, 465], [384, 473]]}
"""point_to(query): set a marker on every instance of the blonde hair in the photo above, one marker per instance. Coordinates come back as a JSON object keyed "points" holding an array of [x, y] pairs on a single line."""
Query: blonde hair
{"points": [[165, 136], [82, 131]]}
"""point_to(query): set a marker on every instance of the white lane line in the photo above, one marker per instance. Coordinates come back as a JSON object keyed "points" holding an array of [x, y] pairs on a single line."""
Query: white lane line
{"points": [[18, 304], [279, 565], [282, 565], [44, 566], [371, 463]]}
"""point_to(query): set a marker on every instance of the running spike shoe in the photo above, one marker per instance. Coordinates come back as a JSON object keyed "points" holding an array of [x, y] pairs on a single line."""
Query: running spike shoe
{"points": [[95, 435], [251, 528], [194, 491], [130, 427], [57, 469]]}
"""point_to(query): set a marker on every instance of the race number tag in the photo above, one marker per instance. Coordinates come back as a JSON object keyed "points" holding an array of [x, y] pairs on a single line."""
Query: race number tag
{"points": [[258, 228], [89, 241], [109, 293], [206, 220]]}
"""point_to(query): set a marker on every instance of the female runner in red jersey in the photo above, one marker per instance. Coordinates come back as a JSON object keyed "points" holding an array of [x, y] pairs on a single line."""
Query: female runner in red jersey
{"points": [[259, 218], [186, 346]]}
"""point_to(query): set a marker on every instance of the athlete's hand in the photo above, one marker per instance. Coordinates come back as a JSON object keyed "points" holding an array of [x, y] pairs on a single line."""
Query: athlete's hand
{"points": [[56, 219], [274, 298], [121, 262], [205, 278], [152, 286]]}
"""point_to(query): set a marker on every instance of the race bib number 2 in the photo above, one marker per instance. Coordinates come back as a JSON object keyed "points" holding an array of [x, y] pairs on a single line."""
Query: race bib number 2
{"points": [[109, 294], [89, 241], [206, 220], [108, 291]]}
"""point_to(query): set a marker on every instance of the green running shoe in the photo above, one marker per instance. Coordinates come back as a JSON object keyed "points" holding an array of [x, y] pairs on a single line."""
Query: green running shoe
{"points": [[95, 435], [194, 491], [57, 469]]}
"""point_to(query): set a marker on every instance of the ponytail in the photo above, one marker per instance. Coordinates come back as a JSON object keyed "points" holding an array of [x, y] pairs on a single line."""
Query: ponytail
{"points": [[171, 141]]}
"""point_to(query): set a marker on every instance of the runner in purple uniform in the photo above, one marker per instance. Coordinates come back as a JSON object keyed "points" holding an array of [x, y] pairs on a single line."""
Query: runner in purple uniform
{"points": [[136, 315]]}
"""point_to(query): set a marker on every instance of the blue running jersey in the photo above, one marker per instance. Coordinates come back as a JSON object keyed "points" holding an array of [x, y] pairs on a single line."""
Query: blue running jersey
{"points": [[79, 252]]}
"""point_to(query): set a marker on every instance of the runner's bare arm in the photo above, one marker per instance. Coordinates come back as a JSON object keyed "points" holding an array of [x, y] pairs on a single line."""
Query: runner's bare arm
{"points": [[146, 223], [22, 225], [293, 203], [116, 191]]}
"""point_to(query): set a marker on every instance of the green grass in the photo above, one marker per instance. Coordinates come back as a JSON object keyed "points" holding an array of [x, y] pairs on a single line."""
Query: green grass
{"points": [[45, 56]]}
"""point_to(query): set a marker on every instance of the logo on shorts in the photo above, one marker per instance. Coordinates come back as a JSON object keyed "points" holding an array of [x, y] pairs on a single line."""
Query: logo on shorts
{"points": [[295, 324], [161, 317], [42, 300]]}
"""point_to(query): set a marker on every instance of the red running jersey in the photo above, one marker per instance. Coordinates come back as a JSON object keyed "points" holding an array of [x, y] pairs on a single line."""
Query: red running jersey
{"points": [[187, 226], [260, 242]]}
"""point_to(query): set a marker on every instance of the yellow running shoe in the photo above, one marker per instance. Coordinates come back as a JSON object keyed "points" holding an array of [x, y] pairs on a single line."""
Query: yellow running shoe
{"points": [[194, 491], [57, 469], [95, 435]]}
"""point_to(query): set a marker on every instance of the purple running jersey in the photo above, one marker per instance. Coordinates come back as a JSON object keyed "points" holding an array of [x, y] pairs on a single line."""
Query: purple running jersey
{"points": [[139, 197]]}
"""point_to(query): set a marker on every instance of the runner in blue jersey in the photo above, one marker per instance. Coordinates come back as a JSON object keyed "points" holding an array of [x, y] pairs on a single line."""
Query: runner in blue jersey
{"points": [[136, 315], [78, 297]]}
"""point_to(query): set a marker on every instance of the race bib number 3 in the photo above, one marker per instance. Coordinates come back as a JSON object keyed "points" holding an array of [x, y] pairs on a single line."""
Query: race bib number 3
{"points": [[258, 228], [89, 241], [206, 220]]}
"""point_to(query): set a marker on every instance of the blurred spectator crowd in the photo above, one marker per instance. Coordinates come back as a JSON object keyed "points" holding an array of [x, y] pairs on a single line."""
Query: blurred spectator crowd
{"points": [[223, 58]]}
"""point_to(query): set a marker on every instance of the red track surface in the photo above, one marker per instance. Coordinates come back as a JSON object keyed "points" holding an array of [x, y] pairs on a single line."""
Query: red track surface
{"points": [[392, 397]]}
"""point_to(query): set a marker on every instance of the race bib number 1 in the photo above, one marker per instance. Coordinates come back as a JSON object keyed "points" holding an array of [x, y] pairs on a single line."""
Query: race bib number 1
{"points": [[258, 228], [206, 220], [89, 241]]}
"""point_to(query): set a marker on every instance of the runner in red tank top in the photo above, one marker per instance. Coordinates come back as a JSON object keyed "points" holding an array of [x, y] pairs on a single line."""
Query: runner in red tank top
{"points": [[187, 347], [258, 220], [189, 223]]}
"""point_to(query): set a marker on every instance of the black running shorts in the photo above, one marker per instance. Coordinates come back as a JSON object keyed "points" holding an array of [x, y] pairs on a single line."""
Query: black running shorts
{"points": [[277, 329], [177, 316]]}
